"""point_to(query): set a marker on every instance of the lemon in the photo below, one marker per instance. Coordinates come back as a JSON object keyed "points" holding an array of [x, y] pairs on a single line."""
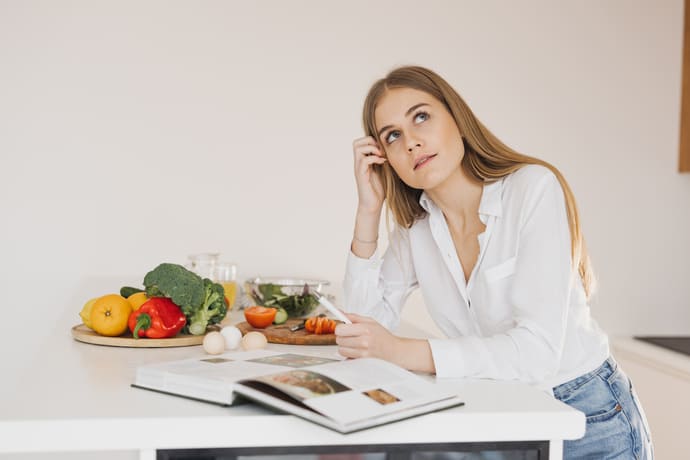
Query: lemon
{"points": [[85, 312], [109, 315], [137, 299]]}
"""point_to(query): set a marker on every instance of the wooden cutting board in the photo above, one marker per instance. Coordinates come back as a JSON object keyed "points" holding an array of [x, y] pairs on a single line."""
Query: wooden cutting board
{"points": [[83, 334], [282, 334]]}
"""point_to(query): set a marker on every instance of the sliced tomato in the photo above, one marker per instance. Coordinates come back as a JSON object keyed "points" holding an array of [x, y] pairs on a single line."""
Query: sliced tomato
{"points": [[320, 325], [260, 317]]}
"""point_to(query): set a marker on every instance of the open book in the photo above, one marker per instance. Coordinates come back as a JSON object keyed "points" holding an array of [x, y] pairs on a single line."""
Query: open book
{"points": [[344, 395]]}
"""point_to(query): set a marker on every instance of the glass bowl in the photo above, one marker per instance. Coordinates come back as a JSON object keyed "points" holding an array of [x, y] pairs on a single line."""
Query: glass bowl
{"points": [[292, 294]]}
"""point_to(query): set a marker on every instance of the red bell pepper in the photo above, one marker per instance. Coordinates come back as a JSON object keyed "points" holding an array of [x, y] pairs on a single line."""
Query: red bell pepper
{"points": [[157, 318]]}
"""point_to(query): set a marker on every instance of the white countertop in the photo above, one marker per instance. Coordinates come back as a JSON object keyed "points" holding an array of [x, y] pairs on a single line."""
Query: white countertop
{"points": [[655, 356], [73, 396]]}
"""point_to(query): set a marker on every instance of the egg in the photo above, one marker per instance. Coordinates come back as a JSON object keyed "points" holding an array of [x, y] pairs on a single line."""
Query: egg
{"points": [[254, 341], [232, 336], [214, 343]]}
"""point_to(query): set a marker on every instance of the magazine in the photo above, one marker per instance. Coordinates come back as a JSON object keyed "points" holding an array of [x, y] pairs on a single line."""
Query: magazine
{"points": [[344, 395]]}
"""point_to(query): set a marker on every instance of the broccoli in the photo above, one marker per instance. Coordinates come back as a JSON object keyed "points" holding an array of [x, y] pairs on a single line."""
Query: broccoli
{"points": [[212, 311], [201, 300], [183, 287]]}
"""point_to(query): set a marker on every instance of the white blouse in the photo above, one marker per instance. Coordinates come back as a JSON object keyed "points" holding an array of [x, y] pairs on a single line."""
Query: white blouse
{"points": [[522, 315]]}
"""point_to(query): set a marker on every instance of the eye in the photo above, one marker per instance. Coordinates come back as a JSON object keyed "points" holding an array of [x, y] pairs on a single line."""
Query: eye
{"points": [[392, 136], [420, 117]]}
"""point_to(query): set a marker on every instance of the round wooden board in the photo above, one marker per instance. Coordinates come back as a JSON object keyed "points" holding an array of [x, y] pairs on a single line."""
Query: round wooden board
{"points": [[282, 334], [83, 334]]}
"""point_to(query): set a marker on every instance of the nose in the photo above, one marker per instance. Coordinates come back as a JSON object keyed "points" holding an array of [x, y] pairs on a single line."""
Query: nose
{"points": [[412, 147], [412, 144]]}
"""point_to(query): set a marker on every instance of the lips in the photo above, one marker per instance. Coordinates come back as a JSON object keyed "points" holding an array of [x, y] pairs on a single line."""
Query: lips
{"points": [[422, 160]]}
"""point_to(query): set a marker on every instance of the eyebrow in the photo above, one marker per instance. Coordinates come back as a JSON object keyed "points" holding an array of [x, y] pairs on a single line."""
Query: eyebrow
{"points": [[409, 111]]}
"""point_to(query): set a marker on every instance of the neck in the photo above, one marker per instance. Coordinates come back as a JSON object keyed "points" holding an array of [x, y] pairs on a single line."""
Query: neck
{"points": [[458, 196]]}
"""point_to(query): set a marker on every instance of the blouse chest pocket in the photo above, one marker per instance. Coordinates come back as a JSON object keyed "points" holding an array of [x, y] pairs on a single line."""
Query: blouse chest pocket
{"points": [[494, 310], [502, 270]]}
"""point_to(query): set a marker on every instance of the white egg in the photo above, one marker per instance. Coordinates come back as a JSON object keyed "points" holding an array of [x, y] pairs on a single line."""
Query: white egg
{"points": [[232, 336], [214, 343], [254, 341]]}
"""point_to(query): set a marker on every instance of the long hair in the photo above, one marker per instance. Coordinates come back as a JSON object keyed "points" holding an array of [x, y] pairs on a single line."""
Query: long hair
{"points": [[486, 158]]}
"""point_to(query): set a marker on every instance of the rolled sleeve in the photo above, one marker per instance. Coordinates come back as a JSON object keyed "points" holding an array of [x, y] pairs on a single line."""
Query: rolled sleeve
{"points": [[457, 358], [358, 266], [378, 286]]}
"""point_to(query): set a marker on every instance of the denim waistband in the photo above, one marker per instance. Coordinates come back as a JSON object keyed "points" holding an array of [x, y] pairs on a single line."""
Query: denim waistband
{"points": [[604, 371]]}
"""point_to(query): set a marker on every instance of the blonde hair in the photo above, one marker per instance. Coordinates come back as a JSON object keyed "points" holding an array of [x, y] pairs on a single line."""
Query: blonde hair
{"points": [[486, 158]]}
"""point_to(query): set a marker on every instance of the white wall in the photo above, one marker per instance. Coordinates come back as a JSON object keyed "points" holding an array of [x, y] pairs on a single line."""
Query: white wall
{"points": [[133, 133]]}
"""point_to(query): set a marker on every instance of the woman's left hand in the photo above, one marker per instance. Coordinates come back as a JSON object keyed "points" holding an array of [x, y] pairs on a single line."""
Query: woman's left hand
{"points": [[365, 337]]}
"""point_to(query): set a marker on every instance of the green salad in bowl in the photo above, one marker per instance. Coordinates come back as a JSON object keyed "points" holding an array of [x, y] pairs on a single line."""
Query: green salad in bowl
{"points": [[294, 295]]}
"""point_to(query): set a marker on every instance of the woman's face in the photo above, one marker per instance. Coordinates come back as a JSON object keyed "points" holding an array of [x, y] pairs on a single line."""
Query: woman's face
{"points": [[419, 136]]}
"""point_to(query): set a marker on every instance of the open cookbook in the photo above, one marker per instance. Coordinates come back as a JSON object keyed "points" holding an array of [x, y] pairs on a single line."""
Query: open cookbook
{"points": [[344, 395]]}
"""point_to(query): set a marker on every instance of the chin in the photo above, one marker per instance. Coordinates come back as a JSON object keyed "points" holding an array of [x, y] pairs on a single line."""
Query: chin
{"points": [[430, 181]]}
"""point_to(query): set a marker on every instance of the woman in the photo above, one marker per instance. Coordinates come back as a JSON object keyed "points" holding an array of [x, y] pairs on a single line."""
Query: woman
{"points": [[492, 238]]}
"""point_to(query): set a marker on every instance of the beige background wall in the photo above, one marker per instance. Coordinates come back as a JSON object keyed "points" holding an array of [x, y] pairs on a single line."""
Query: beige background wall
{"points": [[134, 132]]}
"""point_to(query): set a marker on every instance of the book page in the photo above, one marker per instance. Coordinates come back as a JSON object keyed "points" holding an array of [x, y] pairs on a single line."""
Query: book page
{"points": [[211, 378], [353, 390]]}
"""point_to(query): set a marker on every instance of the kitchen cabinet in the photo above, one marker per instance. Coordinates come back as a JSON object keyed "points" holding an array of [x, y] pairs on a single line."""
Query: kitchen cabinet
{"points": [[661, 378]]}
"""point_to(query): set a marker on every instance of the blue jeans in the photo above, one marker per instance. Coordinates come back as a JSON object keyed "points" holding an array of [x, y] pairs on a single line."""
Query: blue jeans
{"points": [[616, 425]]}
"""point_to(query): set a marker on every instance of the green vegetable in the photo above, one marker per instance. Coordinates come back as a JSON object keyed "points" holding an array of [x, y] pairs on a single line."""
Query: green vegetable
{"points": [[201, 300], [126, 291], [281, 316], [296, 305], [183, 287], [212, 311]]}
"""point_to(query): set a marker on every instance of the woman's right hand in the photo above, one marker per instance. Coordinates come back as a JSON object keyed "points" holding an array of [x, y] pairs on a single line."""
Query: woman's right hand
{"points": [[369, 186]]}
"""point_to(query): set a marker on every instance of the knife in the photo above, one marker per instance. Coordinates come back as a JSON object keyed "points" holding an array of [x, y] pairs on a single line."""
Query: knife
{"points": [[330, 307]]}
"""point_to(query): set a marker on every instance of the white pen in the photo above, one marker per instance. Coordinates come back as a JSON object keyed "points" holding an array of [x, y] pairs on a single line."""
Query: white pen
{"points": [[330, 307]]}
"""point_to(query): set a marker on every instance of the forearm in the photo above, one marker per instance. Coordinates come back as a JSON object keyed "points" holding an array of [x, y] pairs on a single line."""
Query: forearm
{"points": [[414, 355], [366, 234]]}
